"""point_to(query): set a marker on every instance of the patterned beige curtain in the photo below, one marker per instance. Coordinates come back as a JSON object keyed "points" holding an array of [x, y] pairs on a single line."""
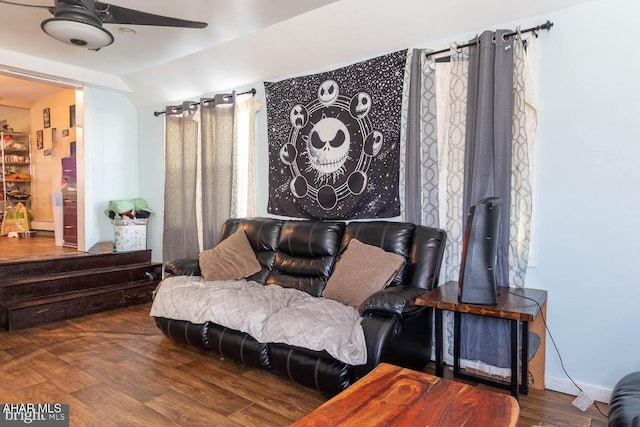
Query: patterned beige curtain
{"points": [[524, 134], [180, 234], [217, 168], [418, 142], [243, 196], [210, 172], [227, 164], [437, 149], [451, 141]]}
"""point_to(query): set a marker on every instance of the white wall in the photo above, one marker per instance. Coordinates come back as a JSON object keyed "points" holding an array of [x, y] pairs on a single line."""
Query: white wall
{"points": [[589, 145], [151, 178], [47, 169], [110, 152], [18, 119]]}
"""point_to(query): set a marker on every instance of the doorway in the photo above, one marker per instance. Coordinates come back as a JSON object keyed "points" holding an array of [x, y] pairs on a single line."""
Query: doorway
{"points": [[46, 113]]}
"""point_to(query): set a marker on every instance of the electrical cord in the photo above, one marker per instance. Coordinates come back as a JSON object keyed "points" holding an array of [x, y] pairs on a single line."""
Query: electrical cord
{"points": [[544, 321]]}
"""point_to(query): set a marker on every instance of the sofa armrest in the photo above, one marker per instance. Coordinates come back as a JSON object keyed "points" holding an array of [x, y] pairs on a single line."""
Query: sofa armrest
{"points": [[400, 340], [624, 405], [378, 332], [183, 267], [395, 300]]}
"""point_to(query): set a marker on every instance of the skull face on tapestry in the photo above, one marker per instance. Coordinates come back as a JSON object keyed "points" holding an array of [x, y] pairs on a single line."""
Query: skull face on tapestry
{"points": [[328, 148], [334, 141]]}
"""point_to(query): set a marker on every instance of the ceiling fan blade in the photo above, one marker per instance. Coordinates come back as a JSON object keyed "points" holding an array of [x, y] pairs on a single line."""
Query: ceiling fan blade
{"points": [[121, 15]]}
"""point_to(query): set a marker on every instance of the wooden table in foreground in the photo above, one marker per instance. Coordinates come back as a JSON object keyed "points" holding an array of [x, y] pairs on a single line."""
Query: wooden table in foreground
{"points": [[517, 305], [394, 396]]}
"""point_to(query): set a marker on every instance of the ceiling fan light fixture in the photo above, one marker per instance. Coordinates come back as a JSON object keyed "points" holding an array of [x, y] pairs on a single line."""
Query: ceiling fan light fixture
{"points": [[77, 33]]}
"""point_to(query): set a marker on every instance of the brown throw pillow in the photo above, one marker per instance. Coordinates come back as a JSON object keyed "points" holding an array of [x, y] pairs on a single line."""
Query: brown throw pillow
{"points": [[232, 259], [361, 271]]}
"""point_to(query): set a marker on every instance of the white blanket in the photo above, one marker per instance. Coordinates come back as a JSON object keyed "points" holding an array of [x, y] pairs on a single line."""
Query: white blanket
{"points": [[320, 324], [267, 313]]}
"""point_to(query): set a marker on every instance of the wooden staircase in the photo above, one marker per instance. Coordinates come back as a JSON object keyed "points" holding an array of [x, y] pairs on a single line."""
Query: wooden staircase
{"points": [[37, 292]]}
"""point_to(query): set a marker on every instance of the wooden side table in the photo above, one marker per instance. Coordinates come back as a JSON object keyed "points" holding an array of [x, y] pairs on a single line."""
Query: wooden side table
{"points": [[518, 305], [394, 396]]}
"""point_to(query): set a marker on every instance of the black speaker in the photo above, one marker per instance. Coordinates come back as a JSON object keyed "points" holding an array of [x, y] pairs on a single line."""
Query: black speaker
{"points": [[479, 250]]}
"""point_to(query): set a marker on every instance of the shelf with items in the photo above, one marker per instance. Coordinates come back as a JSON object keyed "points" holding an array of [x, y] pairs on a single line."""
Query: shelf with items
{"points": [[15, 176]]}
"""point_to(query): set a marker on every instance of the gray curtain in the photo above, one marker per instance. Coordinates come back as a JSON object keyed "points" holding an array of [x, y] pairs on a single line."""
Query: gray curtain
{"points": [[489, 132], [454, 169], [180, 234], [217, 154], [412, 202], [419, 143], [487, 172]]}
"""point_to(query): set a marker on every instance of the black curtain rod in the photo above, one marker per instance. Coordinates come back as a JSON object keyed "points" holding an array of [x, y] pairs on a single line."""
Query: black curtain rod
{"points": [[252, 92], [546, 26]]}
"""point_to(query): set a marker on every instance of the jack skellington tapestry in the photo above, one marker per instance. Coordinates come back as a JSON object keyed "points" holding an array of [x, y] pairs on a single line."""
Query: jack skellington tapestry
{"points": [[334, 141]]}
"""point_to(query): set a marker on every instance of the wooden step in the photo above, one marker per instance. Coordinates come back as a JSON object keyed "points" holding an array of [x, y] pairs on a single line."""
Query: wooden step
{"points": [[38, 311], [40, 291], [20, 269], [24, 288]]}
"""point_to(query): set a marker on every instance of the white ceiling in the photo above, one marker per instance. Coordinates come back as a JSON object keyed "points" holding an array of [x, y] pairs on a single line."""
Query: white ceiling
{"points": [[246, 40], [151, 46], [22, 93]]}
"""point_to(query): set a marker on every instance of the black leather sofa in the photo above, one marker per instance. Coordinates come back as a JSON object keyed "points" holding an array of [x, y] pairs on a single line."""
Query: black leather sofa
{"points": [[624, 405], [302, 254]]}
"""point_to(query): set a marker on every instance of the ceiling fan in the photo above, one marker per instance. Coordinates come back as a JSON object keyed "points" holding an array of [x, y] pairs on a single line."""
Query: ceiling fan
{"points": [[79, 22]]}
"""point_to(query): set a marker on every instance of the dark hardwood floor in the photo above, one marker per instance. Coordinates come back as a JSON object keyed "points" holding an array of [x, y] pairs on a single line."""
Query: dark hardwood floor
{"points": [[117, 369]]}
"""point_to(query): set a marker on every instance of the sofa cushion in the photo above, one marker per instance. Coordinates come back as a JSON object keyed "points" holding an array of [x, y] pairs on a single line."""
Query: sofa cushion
{"points": [[263, 236], [232, 259], [306, 255], [391, 236], [361, 271]]}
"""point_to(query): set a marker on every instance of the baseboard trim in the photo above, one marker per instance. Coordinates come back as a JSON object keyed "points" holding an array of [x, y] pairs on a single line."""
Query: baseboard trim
{"points": [[42, 225], [564, 385]]}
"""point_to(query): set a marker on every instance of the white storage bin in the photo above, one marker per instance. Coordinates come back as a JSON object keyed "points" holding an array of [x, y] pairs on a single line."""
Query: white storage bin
{"points": [[130, 234]]}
